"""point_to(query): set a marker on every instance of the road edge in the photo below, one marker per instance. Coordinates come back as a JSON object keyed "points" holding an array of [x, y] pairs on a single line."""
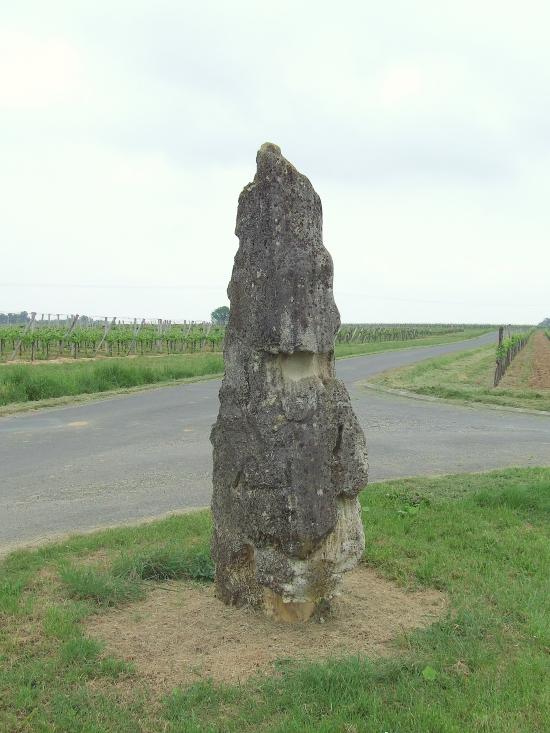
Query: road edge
{"points": [[51, 539], [45, 540]]}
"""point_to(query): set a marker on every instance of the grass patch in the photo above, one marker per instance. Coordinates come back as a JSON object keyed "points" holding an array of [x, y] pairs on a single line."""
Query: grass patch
{"points": [[21, 383], [343, 350], [103, 588], [467, 377], [61, 622], [28, 383], [482, 538], [78, 649], [169, 562], [10, 595]]}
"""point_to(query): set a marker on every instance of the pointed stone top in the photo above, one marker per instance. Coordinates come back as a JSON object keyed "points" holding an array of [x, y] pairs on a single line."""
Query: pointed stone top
{"points": [[271, 162], [269, 148], [272, 166], [281, 288]]}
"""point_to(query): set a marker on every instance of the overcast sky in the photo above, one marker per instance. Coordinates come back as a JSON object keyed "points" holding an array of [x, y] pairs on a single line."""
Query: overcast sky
{"points": [[128, 129]]}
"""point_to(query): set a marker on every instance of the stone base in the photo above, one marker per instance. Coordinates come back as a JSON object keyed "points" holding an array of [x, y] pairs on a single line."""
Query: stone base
{"points": [[285, 588], [291, 612]]}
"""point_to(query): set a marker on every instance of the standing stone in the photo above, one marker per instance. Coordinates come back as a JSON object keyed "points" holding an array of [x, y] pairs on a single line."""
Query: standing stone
{"points": [[289, 454]]}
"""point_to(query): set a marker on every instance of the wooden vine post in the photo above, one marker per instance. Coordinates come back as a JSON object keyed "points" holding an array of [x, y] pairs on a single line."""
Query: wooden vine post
{"points": [[20, 339], [106, 330], [137, 329]]}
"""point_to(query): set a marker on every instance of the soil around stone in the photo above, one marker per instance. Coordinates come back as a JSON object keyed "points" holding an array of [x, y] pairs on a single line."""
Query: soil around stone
{"points": [[181, 633]]}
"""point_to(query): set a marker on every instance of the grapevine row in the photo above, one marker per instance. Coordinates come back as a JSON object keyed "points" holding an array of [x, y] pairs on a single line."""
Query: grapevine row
{"points": [[120, 340], [73, 337], [363, 334], [507, 349]]}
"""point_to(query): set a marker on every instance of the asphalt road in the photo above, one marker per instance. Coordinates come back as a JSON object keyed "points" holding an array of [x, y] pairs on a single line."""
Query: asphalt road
{"points": [[134, 456]]}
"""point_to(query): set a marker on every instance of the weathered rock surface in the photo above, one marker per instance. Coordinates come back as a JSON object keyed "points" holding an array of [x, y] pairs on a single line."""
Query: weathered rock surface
{"points": [[289, 454]]}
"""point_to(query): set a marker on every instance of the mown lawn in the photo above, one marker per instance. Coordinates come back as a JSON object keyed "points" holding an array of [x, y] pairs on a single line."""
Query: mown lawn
{"points": [[483, 539], [468, 377], [32, 383]]}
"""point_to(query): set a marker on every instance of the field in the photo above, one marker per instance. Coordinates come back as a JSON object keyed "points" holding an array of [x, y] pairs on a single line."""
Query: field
{"points": [[22, 383], [481, 540], [82, 338], [469, 376], [77, 338]]}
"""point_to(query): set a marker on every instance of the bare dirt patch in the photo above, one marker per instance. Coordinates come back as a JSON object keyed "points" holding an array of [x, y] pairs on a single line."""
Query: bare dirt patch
{"points": [[540, 376], [519, 372], [181, 633], [531, 367]]}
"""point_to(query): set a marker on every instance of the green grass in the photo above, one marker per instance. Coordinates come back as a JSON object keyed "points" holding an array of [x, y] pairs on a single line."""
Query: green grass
{"points": [[467, 377], [343, 350], [121, 583], [30, 383], [483, 539], [103, 588], [169, 562]]}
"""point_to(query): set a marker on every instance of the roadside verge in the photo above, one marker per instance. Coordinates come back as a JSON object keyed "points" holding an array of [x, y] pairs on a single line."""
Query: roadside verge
{"points": [[467, 377]]}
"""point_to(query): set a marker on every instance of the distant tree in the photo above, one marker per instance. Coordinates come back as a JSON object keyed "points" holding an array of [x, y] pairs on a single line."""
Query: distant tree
{"points": [[14, 318], [545, 323], [220, 316]]}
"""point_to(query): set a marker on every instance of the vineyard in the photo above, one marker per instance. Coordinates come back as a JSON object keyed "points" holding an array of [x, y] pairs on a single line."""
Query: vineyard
{"points": [[376, 333], [77, 338], [32, 339], [508, 348]]}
